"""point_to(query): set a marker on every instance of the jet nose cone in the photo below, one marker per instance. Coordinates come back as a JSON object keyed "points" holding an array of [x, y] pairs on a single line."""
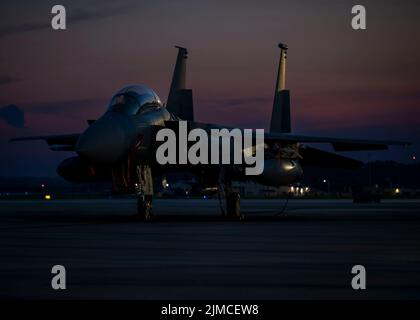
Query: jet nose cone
{"points": [[105, 141]]}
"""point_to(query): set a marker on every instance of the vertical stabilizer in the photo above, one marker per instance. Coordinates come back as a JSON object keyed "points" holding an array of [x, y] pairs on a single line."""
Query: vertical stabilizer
{"points": [[180, 101], [280, 116]]}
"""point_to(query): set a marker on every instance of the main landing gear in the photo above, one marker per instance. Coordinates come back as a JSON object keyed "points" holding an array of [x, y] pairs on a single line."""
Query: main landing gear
{"points": [[233, 206], [232, 199]]}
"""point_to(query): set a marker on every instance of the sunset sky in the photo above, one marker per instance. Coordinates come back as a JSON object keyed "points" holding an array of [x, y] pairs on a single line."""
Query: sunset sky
{"points": [[361, 84]]}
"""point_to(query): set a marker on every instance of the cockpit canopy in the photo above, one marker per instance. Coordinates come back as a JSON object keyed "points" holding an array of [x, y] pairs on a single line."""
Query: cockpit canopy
{"points": [[134, 99]]}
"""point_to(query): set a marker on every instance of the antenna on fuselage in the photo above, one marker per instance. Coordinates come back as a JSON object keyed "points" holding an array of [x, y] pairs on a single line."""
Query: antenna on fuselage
{"points": [[180, 101], [280, 116]]}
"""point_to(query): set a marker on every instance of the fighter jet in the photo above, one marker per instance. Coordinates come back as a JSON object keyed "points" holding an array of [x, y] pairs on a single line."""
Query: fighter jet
{"points": [[121, 144]]}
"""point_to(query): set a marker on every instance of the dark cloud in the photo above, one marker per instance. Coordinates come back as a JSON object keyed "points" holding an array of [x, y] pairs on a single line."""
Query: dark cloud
{"points": [[73, 16], [13, 116], [7, 79]]}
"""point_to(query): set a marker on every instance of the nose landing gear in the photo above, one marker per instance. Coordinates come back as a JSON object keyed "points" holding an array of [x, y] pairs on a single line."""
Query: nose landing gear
{"points": [[144, 192], [144, 207]]}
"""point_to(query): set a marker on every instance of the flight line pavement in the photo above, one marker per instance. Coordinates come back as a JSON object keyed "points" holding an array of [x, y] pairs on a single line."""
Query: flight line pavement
{"points": [[189, 252]]}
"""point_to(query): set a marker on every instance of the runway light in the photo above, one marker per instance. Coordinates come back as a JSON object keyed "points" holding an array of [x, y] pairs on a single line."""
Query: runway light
{"points": [[47, 197], [292, 189], [413, 157], [325, 181], [397, 191]]}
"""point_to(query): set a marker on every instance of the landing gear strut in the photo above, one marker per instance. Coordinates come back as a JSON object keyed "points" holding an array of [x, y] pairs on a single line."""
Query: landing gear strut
{"points": [[144, 192], [232, 199], [144, 206], [233, 206]]}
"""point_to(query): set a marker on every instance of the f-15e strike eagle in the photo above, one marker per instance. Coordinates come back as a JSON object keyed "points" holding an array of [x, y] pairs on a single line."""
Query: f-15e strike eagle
{"points": [[121, 144]]}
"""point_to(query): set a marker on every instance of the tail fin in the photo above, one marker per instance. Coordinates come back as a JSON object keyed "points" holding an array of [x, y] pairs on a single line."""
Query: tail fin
{"points": [[280, 116], [180, 101]]}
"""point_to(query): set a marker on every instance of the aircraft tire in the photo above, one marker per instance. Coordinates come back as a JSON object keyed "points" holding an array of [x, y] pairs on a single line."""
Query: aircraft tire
{"points": [[144, 207], [233, 206]]}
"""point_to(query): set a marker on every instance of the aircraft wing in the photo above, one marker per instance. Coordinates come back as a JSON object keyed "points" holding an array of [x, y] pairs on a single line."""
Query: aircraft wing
{"points": [[67, 142], [61, 142], [312, 157], [339, 144]]}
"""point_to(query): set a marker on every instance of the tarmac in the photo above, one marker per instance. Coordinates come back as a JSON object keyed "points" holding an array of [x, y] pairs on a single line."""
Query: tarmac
{"points": [[189, 252]]}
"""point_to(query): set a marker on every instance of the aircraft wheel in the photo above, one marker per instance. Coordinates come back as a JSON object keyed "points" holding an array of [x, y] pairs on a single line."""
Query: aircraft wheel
{"points": [[233, 206], [144, 207]]}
